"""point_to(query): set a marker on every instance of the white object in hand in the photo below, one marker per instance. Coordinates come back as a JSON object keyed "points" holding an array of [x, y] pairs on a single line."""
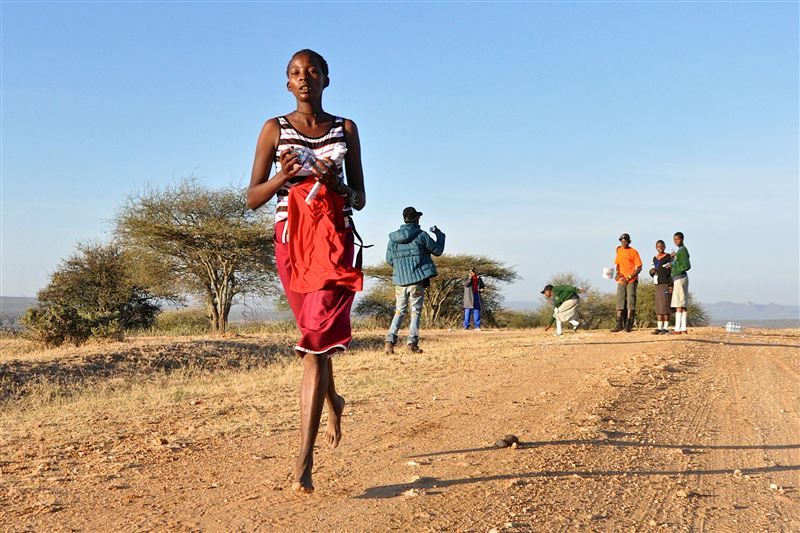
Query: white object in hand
{"points": [[306, 159], [336, 155], [608, 273]]}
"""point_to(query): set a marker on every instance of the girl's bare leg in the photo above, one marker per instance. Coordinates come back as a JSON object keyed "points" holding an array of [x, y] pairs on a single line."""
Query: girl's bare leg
{"points": [[333, 433], [313, 390]]}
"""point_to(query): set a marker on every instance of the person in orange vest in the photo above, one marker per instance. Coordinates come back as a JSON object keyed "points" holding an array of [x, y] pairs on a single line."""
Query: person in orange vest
{"points": [[628, 265]]}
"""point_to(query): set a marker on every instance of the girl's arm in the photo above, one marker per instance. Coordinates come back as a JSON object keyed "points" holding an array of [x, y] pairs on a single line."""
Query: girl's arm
{"points": [[355, 173], [261, 188]]}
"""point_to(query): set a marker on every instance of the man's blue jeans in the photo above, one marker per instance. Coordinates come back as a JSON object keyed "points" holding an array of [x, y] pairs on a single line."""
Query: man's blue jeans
{"points": [[470, 312], [405, 297]]}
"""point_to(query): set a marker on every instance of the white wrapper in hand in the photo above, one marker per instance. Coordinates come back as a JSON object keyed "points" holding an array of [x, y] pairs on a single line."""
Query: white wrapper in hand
{"points": [[337, 156], [306, 158]]}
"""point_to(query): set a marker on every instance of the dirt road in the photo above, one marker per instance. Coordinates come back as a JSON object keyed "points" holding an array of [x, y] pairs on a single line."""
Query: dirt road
{"points": [[618, 432]]}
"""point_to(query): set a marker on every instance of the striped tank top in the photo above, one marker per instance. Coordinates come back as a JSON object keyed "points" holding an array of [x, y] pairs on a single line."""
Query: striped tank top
{"points": [[321, 146]]}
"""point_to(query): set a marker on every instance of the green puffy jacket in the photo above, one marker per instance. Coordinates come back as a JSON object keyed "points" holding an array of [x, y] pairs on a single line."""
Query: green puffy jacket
{"points": [[409, 252]]}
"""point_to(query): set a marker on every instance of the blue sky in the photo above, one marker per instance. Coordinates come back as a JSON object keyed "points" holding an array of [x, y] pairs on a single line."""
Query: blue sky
{"points": [[534, 133]]}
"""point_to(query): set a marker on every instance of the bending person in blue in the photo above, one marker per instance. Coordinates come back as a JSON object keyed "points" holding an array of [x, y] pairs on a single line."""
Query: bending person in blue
{"points": [[409, 253]]}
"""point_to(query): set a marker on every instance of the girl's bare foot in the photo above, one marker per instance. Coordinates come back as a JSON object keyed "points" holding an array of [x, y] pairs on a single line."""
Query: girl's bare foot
{"points": [[333, 433], [300, 489]]}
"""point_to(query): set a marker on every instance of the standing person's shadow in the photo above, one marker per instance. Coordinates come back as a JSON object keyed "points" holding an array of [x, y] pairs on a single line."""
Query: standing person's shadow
{"points": [[427, 483]]}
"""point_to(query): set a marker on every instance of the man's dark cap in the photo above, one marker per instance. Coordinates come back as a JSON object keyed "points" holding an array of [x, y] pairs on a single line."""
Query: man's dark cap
{"points": [[625, 236], [546, 288], [410, 212]]}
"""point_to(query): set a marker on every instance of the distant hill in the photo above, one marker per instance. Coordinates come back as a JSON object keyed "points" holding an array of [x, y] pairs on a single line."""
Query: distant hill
{"points": [[13, 307], [724, 311]]}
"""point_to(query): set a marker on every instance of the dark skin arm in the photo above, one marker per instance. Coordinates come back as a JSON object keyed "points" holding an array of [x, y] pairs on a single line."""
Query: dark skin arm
{"points": [[354, 190], [262, 188]]}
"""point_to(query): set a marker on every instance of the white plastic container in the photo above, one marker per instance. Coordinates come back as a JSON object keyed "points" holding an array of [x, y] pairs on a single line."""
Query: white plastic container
{"points": [[337, 156], [733, 327]]}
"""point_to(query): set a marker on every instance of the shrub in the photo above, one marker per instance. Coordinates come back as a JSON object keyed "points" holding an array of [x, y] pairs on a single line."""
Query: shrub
{"points": [[91, 294], [377, 303], [180, 322], [267, 327], [55, 325], [646, 308], [508, 318]]}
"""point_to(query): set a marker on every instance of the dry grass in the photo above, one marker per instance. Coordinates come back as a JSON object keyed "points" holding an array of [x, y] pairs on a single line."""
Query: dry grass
{"points": [[13, 347], [154, 429], [190, 397]]}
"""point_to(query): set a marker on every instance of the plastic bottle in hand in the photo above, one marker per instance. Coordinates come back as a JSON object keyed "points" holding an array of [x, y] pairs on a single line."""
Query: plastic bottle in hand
{"points": [[337, 156], [434, 229]]}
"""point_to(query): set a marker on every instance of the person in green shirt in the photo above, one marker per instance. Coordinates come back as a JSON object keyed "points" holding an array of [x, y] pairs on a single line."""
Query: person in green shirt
{"points": [[565, 305], [680, 283]]}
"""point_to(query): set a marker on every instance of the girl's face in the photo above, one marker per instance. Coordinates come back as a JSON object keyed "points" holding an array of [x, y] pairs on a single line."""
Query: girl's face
{"points": [[306, 79], [677, 240], [660, 247]]}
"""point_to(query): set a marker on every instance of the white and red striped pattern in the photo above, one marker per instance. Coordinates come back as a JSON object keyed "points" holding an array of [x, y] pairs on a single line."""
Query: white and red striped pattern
{"points": [[321, 146]]}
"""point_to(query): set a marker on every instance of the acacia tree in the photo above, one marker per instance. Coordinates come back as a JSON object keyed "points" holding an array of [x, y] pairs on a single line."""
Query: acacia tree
{"points": [[443, 304], [200, 241]]}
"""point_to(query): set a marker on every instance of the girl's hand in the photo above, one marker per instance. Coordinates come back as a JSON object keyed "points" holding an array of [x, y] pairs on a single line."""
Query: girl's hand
{"points": [[290, 163], [326, 172]]}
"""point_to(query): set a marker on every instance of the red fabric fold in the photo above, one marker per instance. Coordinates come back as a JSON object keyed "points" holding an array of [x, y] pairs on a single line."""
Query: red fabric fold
{"points": [[318, 242]]}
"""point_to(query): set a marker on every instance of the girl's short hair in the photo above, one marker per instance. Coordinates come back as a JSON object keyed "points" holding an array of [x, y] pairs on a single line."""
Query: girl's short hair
{"points": [[316, 56], [662, 242], [679, 234]]}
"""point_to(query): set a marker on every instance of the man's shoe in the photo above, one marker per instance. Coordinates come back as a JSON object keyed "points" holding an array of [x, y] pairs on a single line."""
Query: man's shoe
{"points": [[664, 332], [388, 347], [657, 331], [413, 348], [629, 325], [619, 326]]}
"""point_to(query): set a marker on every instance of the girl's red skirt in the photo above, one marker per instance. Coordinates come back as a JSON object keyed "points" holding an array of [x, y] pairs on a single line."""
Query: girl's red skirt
{"points": [[323, 316]]}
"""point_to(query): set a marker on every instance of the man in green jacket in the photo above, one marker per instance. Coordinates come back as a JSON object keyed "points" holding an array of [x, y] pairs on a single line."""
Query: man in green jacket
{"points": [[409, 253], [680, 283], [565, 305]]}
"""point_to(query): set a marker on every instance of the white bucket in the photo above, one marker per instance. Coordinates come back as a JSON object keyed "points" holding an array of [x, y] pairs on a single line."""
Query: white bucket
{"points": [[608, 272]]}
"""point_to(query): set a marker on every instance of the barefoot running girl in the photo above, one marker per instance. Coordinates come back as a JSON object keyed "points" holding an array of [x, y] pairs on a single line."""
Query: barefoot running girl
{"points": [[313, 238]]}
